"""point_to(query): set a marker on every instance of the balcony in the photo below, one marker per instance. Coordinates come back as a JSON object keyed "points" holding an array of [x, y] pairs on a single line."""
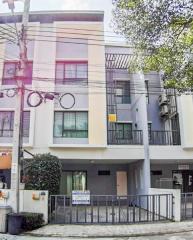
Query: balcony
{"points": [[118, 137], [164, 138]]}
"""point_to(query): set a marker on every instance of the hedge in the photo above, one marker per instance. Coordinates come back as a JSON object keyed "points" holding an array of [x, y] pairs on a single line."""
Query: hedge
{"points": [[31, 221]]}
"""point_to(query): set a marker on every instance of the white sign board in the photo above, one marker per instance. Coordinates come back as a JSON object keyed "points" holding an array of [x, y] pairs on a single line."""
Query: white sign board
{"points": [[80, 197]]}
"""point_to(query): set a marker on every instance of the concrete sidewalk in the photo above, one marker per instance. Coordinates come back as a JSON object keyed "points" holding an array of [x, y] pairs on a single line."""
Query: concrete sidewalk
{"points": [[97, 231]]}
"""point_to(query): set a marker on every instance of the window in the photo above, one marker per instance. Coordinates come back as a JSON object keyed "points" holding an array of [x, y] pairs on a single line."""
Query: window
{"points": [[73, 180], [104, 173], [124, 130], [71, 124], [71, 72], [9, 73], [149, 130], [123, 92], [156, 172], [26, 123], [147, 91], [7, 122]]}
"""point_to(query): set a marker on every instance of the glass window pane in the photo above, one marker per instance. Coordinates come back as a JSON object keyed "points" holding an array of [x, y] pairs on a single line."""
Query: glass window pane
{"points": [[9, 70], [9, 73], [119, 127], [79, 181], [69, 121], [29, 71], [26, 123], [59, 73], [82, 70], [81, 121], [58, 128], [6, 124], [127, 127], [128, 130], [66, 183], [119, 91], [123, 92], [70, 70]]}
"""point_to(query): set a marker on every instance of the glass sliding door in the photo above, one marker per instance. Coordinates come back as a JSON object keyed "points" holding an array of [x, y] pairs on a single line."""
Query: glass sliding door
{"points": [[79, 181], [73, 180]]}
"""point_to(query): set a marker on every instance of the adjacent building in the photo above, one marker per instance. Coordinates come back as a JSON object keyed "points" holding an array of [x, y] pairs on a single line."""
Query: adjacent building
{"points": [[120, 133]]}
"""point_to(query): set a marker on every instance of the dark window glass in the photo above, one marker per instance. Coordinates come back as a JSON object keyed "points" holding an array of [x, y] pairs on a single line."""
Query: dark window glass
{"points": [[156, 172], [123, 95], [149, 130], [147, 91], [73, 180], [124, 130], [104, 173]]}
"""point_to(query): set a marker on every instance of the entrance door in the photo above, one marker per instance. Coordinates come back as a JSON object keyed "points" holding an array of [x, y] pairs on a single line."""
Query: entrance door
{"points": [[183, 179], [122, 183]]}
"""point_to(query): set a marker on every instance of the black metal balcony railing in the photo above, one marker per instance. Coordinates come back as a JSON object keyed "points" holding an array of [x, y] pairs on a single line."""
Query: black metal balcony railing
{"points": [[118, 137], [164, 138]]}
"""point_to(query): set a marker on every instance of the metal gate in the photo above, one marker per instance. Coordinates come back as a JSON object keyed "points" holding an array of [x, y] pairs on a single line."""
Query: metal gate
{"points": [[111, 209], [186, 206]]}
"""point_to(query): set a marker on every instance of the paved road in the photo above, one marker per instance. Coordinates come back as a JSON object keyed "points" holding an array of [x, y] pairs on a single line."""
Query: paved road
{"points": [[182, 236]]}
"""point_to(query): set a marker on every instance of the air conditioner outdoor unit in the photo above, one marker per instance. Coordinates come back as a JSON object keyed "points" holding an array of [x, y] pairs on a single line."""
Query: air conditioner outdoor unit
{"points": [[164, 111], [163, 100]]}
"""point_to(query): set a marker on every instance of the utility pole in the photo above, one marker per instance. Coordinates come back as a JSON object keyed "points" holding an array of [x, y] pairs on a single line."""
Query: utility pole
{"points": [[18, 116]]}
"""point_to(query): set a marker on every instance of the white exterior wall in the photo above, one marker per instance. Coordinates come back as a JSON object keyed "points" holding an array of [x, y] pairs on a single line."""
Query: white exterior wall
{"points": [[26, 201], [177, 201]]}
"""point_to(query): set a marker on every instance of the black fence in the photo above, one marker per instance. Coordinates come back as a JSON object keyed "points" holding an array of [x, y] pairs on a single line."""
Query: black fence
{"points": [[110, 209], [164, 138], [119, 137], [186, 206]]}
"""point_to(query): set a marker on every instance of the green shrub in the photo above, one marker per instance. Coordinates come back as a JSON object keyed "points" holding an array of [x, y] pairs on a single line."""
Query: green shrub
{"points": [[31, 221], [44, 173]]}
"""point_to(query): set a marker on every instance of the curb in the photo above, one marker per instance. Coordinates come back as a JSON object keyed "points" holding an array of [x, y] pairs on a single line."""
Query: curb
{"points": [[110, 236]]}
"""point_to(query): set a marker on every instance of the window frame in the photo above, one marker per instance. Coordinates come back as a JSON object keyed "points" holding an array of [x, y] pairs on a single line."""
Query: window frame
{"points": [[149, 126], [70, 130], [70, 81], [4, 79], [12, 113], [125, 136], [2, 130], [147, 90], [72, 175], [124, 86]]}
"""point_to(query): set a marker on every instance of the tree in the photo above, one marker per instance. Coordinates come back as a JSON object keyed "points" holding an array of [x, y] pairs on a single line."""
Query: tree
{"points": [[162, 32], [43, 173]]}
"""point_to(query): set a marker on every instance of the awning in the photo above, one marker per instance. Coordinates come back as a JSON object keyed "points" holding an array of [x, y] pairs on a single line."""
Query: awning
{"points": [[5, 160], [118, 61]]}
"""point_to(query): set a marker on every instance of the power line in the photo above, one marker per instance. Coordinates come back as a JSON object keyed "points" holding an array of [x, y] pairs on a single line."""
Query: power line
{"points": [[71, 33], [65, 28], [57, 41]]}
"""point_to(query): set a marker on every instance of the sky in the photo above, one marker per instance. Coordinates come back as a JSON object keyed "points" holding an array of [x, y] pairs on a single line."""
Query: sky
{"points": [[38, 5]]}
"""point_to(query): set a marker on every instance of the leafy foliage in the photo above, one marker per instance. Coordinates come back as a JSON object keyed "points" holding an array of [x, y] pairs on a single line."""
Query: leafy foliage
{"points": [[31, 221], [162, 32], [44, 173]]}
